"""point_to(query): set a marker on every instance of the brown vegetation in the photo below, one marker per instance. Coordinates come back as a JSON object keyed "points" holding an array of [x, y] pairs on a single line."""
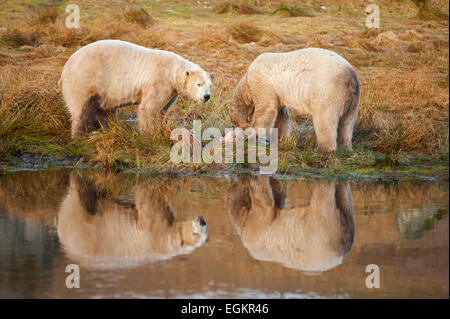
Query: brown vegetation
{"points": [[402, 67]]}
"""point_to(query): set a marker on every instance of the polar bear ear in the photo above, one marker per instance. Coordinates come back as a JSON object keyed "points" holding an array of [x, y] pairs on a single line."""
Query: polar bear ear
{"points": [[187, 74]]}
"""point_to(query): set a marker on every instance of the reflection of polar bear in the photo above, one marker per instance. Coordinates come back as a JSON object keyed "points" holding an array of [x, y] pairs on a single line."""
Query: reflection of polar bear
{"points": [[312, 238], [312, 81], [101, 232], [108, 74]]}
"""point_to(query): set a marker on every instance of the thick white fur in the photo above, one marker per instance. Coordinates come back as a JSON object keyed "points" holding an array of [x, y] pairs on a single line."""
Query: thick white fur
{"points": [[108, 74], [312, 81]]}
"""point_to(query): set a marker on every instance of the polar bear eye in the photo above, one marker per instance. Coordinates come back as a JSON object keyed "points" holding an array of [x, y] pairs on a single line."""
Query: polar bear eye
{"points": [[199, 84]]}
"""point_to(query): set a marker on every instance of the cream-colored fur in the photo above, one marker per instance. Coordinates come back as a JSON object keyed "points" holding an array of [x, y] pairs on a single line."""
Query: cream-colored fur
{"points": [[96, 231], [108, 74], [312, 81], [312, 238]]}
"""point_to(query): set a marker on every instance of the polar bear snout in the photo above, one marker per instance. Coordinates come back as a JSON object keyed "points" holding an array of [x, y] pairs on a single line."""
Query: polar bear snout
{"points": [[200, 229], [204, 92], [194, 232], [201, 221]]}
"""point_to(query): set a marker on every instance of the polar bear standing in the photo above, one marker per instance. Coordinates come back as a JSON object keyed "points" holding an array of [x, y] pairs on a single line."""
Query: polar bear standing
{"points": [[108, 74], [312, 81]]}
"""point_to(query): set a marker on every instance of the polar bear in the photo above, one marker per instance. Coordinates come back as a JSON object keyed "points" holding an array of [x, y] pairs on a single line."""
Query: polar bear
{"points": [[312, 237], [101, 232], [107, 74], [312, 81]]}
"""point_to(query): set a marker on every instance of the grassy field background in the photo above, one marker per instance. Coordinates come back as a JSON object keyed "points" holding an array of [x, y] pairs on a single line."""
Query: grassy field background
{"points": [[403, 69]]}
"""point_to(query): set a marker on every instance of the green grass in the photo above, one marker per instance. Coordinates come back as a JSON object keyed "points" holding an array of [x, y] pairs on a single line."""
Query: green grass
{"points": [[292, 161]]}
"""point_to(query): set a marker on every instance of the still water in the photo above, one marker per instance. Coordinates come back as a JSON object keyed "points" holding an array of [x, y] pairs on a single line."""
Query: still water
{"points": [[214, 237]]}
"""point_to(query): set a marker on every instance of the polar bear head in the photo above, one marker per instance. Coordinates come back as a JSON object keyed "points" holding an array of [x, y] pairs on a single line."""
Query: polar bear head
{"points": [[188, 235], [197, 84]]}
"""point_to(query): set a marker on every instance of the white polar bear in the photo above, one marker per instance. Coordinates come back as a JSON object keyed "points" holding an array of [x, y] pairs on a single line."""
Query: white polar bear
{"points": [[108, 74], [312, 81]]}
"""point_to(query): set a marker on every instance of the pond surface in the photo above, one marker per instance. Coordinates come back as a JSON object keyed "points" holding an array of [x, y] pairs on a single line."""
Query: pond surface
{"points": [[214, 237]]}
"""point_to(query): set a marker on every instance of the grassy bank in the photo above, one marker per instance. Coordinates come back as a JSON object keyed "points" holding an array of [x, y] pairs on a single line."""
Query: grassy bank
{"points": [[403, 69]]}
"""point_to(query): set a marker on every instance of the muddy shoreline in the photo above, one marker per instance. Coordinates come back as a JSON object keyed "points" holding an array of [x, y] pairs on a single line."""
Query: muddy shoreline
{"points": [[30, 162]]}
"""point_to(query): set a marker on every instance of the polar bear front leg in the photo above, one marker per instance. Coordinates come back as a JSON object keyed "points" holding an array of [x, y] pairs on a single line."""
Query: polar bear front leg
{"points": [[283, 124], [147, 117], [261, 192], [266, 111], [84, 116], [152, 109]]}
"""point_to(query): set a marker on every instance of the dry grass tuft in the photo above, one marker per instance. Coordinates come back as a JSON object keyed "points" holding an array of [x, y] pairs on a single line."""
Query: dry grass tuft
{"points": [[292, 11], [48, 15], [16, 38], [415, 123], [31, 108], [245, 32], [411, 35], [239, 7], [30, 34], [138, 15], [432, 9], [386, 39]]}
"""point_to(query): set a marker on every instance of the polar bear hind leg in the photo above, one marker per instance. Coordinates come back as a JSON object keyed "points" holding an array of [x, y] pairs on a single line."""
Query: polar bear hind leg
{"points": [[266, 111], [345, 128], [325, 126]]}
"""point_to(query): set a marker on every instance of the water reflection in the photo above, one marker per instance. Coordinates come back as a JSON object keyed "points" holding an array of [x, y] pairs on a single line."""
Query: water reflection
{"points": [[135, 236], [98, 229], [312, 237], [414, 222]]}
